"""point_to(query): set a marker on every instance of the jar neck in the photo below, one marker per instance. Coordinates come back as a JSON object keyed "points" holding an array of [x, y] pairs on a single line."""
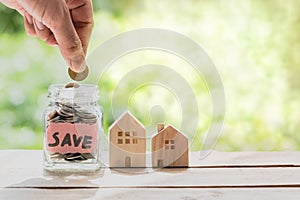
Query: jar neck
{"points": [[84, 94]]}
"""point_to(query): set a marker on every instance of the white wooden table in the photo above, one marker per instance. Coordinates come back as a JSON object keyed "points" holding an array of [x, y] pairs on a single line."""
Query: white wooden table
{"points": [[230, 175]]}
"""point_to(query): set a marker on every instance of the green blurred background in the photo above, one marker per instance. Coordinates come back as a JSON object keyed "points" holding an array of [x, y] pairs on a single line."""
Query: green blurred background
{"points": [[254, 44]]}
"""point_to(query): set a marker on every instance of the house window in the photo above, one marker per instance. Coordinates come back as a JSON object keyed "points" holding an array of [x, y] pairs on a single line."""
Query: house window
{"points": [[126, 136], [134, 140], [172, 144], [127, 133], [120, 137], [120, 134], [169, 144]]}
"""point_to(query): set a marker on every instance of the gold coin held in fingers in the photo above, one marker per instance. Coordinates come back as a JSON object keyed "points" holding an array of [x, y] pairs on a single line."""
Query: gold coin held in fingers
{"points": [[79, 76]]}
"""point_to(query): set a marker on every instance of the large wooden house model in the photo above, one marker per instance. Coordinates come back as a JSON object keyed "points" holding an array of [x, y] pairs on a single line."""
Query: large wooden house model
{"points": [[127, 142]]}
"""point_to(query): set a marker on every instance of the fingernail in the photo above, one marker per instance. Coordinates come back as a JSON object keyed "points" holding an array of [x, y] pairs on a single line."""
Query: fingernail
{"points": [[28, 18], [39, 25], [78, 64]]}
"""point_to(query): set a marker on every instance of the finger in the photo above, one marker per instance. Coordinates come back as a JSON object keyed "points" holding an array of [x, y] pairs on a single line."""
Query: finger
{"points": [[70, 45], [14, 5], [84, 32], [21, 10], [51, 40], [28, 24], [82, 15], [41, 30]]}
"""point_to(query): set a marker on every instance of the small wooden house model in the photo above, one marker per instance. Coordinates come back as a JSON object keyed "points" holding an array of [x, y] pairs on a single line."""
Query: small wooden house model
{"points": [[127, 138], [169, 148]]}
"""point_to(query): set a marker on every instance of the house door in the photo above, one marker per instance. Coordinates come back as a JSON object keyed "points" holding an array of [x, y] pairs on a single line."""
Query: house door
{"points": [[160, 163], [127, 161]]}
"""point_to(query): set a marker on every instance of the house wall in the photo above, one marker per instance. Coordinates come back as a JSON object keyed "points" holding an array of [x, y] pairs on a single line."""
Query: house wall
{"points": [[118, 156], [118, 152], [177, 157]]}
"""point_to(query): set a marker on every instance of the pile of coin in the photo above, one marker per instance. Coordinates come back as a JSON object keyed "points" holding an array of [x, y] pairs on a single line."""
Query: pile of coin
{"points": [[71, 113], [72, 156]]}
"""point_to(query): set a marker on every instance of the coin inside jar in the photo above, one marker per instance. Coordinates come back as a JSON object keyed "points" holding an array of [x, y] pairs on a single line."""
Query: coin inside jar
{"points": [[72, 85], [78, 76]]}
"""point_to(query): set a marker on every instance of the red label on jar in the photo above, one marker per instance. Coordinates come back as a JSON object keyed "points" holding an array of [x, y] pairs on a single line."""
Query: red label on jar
{"points": [[71, 138]]}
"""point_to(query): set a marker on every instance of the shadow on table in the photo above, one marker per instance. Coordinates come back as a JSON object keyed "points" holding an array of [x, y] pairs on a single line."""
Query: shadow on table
{"points": [[67, 183], [147, 170], [129, 171], [60, 181], [48, 193]]}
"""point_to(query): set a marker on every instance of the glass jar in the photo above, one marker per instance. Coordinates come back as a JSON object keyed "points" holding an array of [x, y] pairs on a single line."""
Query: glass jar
{"points": [[73, 126]]}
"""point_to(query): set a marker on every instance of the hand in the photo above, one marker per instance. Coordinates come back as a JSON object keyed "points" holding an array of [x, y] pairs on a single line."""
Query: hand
{"points": [[66, 23]]}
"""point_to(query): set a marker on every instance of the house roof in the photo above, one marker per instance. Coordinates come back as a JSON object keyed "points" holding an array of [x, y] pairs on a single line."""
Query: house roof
{"points": [[126, 114], [169, 127]]}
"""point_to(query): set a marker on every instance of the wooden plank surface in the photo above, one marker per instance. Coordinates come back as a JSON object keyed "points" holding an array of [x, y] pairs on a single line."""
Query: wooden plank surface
{"points": [[21, 169], [244, 159], [33, 158], [150, 194], [193, 177]]}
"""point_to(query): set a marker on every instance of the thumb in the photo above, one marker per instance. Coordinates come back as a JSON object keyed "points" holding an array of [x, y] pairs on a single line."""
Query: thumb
{"points": [[69, 44]]}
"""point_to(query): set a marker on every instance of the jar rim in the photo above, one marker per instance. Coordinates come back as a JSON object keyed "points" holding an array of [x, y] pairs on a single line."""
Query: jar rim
{"points": [[83, 93]]}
